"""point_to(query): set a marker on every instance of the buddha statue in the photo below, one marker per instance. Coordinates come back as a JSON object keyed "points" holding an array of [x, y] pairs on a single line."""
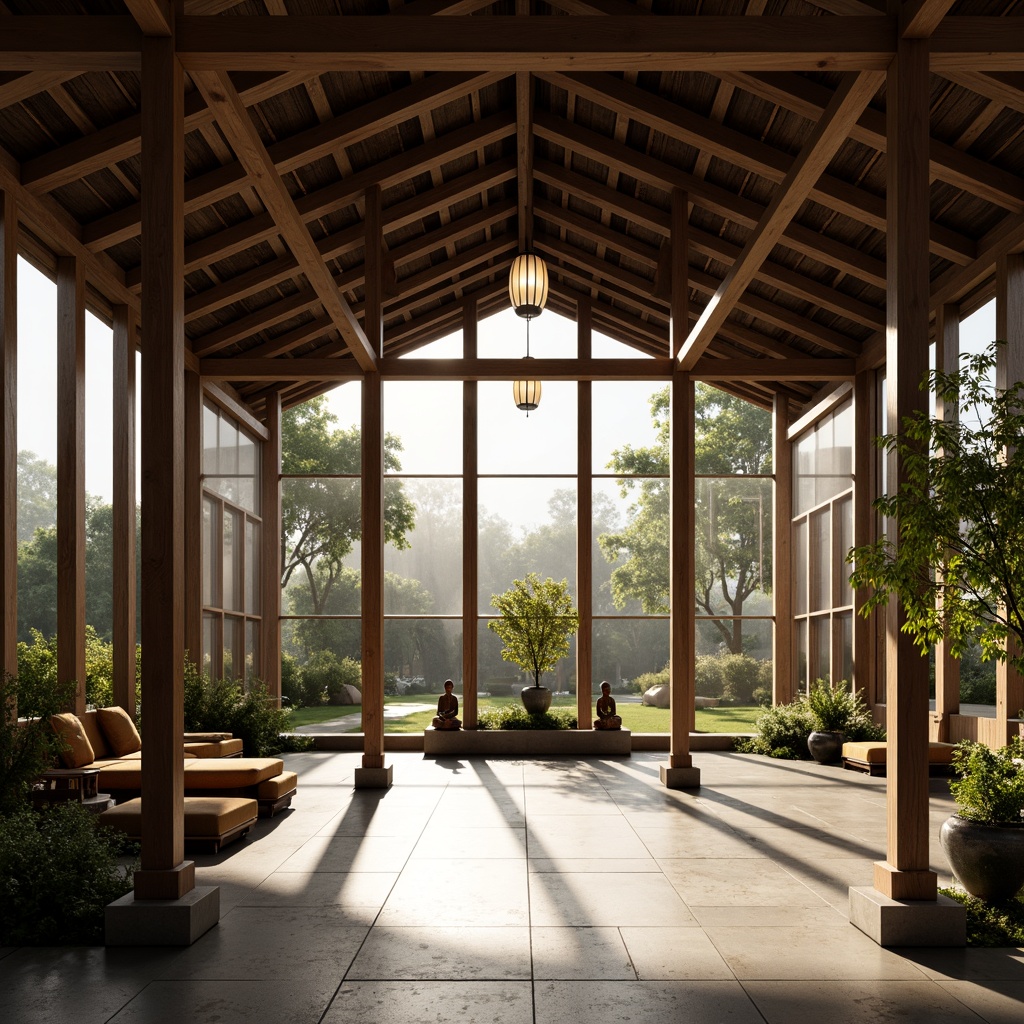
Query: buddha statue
{"points": [[447, 708], [606, 716]]}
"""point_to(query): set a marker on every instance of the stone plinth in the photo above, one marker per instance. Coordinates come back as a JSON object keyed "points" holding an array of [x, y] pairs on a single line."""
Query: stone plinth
{"points": [[679, 778], [132, 922], [940, 922], [374, 778], [525, 742]]}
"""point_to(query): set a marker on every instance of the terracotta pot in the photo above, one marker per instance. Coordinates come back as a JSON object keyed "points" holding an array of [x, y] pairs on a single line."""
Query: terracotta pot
{"points": [[826, 747], [536, 699], [987, 860]]}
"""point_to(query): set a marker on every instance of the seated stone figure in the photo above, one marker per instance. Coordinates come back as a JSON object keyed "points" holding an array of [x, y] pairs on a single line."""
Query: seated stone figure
{"points": [[447, 708], [606, 717]]}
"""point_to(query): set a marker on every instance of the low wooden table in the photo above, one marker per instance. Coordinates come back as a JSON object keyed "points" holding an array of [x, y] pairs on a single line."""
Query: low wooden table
{"points": [[78, 785]]}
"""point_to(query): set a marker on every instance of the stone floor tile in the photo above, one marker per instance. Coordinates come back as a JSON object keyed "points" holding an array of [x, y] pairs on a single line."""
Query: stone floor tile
{"points": [[459, 893], [997, 1002], [439, 954], [585, 836], [580, 953], [558, 900], [674, 954], [811, 846], [432, 1002], [227, 1002], [981, 965], [846, 1002], [737, 882], [686, 841], [351, 853], [273, 943], [80, 984], [346, 889], [586, 865], [834, 952], [773, 917], [649, 1002], [439, 843]]}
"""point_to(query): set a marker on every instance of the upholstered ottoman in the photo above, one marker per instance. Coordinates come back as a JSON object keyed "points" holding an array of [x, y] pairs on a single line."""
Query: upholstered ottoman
{"points": [[210, 821], [870, 756], [214, 748]]}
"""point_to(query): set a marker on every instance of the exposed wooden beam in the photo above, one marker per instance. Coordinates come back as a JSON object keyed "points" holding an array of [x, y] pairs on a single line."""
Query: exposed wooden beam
{"points": [[235, 122], [73, 44], [430, 8], [920, 18], [524, 158], [260, 319], [1006, 88], [827, 136], [976, 44], [454, 231], [31, 83], [773, 369], [608, 7], [154, 17]]}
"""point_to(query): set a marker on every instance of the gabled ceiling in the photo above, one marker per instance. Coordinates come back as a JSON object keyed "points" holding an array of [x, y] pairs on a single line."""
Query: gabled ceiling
{"points": [[476, 166]]}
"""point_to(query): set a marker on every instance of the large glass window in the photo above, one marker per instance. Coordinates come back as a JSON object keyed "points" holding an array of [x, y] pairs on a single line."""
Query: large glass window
{"points": [[231, 532]]}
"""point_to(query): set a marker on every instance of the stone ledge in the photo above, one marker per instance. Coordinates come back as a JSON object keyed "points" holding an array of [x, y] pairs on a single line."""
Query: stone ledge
{"points": [[891, 923], [525, 742], [132, 922]]}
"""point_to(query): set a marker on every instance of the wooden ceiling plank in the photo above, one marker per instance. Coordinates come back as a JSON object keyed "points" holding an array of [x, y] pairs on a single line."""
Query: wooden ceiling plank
{"points": [[828, 135], [676, 122], [607, 7], [452, 232], [319, 327], [947, 163], [426, 280], [771, 369], [29, 84], [513, 43], [1007, 89], [429, 8], [260, 319], [154, 17], [241, 286]]}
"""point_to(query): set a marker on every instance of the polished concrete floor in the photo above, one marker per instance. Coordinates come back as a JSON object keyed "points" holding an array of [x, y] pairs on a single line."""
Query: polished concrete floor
{"points": [[538, 892]]}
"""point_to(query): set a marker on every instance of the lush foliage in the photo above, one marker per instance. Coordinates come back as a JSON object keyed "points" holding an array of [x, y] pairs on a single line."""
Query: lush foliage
{"points": [[782, 730], [321, 516], [224, 706], [58, 871], [734, 677], [989, 787], [990, 924], [957, 567], [732, 438], [647, 680], [30, 746], [515, 716], [537, 619]]}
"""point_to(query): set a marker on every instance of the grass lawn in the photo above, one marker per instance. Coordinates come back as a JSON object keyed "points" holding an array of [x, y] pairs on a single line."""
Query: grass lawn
{"points": [[635, 717]]}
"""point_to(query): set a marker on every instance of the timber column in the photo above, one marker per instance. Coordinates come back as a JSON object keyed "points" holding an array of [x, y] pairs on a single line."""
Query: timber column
{"points": [[373, 774], [9, 434], [167, 908], [679, 772], [902, 908], [584, 526], [470, 527], [782, 555]]}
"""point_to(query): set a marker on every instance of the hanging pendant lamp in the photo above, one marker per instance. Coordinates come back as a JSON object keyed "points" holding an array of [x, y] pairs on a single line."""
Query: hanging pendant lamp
{"points": [[528, 291]]}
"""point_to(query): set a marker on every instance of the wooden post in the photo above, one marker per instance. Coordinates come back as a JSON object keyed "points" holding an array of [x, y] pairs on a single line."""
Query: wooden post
{"points": [[470, 528], [865, 525], [679, 772], [782, 555], [193, 519], [947, 668], [124, 568], [1009, 370], [165, 874], [9, 433], [270, 582], [373, 774], [905, 874], [71, 476], [584, 528]]}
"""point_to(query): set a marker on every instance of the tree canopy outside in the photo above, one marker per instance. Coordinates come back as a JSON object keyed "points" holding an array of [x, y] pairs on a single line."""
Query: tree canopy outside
{"points": [[733, 438]]}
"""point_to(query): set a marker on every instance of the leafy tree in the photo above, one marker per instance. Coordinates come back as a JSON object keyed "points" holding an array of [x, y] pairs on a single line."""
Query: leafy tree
{"points": [[957, 565], [732, 438], [537, 619], [37, 495], [321, 517]]}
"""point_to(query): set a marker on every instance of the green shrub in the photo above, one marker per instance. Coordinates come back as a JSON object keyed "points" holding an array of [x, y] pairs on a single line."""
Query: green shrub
{"points": [[515, 716], [990, 783], [650, 679], [763, 696], [291, 680], [349, 673], [223, 706], [320, 674], [782, 731], [741, 676], [58, 871], [990, 924], [28, 747], [708, 676]]}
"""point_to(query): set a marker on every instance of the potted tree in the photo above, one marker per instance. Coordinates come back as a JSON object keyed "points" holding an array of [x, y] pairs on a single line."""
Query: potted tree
{"points": [[984, 840], [836, 712], [537, 620]]}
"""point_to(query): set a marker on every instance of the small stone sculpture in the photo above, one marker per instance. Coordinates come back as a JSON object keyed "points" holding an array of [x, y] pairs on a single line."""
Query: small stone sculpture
{"points": [[606, 717], [447, 708]]}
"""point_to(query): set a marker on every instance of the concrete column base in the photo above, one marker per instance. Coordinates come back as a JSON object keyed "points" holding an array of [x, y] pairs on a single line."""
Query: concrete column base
{"points": [[133, 922], [939, 922], [679, 778], [374, 778]]}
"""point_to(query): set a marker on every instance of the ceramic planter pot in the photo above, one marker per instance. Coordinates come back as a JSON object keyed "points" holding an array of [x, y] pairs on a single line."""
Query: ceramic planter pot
{"points": [[987, 860], [826, 747], [536, 699]]}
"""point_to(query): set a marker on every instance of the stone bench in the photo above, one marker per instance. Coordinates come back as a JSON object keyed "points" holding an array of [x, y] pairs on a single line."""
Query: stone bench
{"points": [[526, 742], [210, 821]]}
